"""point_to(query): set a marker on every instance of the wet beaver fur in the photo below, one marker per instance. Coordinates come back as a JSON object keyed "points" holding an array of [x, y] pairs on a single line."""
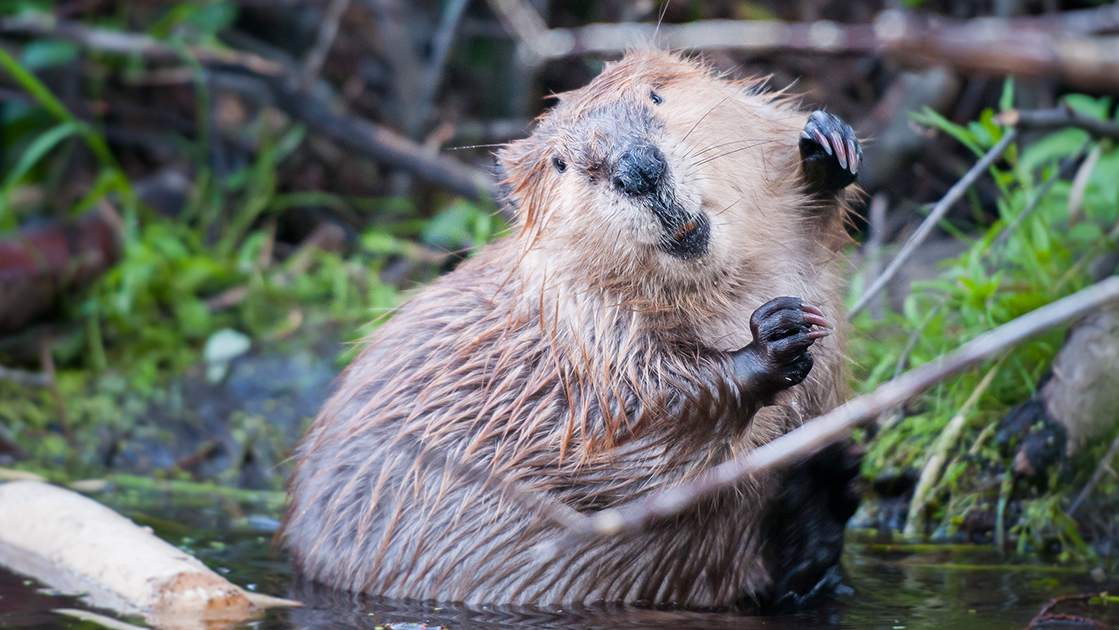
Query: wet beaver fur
{"points": [[675, 254]]}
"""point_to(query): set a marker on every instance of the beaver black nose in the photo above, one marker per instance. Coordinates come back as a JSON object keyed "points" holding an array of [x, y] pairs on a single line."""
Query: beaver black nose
{"points": [[639, 171]]}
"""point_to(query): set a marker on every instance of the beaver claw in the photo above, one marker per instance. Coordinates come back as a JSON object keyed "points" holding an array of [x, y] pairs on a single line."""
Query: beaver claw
{"points": [[830, 153], [778, 357]]}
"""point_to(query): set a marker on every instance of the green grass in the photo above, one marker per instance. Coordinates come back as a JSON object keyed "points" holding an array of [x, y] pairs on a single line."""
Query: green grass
{"points": [[991, 283]]}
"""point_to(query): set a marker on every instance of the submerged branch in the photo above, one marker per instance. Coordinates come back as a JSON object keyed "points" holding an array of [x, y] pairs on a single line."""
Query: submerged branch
{"points": [[838, 423]]}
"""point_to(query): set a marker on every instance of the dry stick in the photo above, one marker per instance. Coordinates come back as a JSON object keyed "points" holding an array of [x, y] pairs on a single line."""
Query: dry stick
{"points": [[383, 144], [838, 423], [1104, 466], [1024, 46], [930, 474], [1032, 205], [316, 57], [1058, 118], [440, 47], [118, 43], [937, 213], [46, 358]]}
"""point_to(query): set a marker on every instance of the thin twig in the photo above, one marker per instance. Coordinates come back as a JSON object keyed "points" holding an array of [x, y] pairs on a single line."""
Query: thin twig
{"points": [[1104, 465], [1058, 117], [1042, 191], [46, 359], [440, 48], [118, 43], [937, 213], [895, 414], [838, 423], [324, 41]]}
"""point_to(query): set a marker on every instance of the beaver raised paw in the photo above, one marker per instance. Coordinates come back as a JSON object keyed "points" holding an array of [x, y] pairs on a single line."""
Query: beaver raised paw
{"points": [[830, 153], [778, 357]]}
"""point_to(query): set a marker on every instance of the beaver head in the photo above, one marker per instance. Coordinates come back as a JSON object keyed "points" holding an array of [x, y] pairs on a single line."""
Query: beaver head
{"points": [[657, 176]]}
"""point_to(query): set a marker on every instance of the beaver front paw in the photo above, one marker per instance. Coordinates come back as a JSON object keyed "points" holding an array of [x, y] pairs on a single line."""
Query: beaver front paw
{"points": [[829, 152], [778, 357]]}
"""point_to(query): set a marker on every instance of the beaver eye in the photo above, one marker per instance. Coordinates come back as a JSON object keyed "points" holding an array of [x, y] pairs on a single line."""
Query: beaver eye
{"points": [[657, 100], [558, 162]]}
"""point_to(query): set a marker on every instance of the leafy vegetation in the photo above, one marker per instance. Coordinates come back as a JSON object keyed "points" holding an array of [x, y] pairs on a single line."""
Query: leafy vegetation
{"points": [[184, 280], [1033, 254]]}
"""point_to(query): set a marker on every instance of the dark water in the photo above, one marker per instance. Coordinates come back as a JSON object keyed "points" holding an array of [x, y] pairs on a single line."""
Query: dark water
{"points": [[892, 587]]}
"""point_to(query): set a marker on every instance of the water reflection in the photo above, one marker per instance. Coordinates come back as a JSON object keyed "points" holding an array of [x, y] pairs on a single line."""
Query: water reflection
{"points": [[887, 586]]}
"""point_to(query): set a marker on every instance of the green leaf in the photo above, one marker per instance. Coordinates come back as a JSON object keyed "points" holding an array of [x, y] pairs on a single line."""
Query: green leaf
{"points": [[1094, 107], [39, 148], [1051, 148], [45, 53], [1006, 101], [1040, 236], [193, 317], [931, 118], [1086, 233]]}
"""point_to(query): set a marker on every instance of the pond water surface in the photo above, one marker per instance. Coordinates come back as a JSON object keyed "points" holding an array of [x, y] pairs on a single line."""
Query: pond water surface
{"points": [[893, 587]]}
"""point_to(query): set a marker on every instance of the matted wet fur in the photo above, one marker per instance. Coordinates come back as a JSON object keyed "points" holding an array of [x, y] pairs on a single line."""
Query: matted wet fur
{"points": [[588, 356]]}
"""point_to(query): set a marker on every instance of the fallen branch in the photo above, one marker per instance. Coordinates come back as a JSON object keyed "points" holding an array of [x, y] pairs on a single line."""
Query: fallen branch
{"points": [[328, 30], [120, 43], [838, 423], [1058, 118], [386, 145], [279, 82], [1034, 46], [935, 215]]}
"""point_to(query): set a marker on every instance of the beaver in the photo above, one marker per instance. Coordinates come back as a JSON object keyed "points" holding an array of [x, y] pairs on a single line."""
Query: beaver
{"points": [[675, 254]]}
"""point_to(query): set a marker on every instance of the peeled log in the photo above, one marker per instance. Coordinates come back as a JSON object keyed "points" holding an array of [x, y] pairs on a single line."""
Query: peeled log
{"points": [[74, 544]]}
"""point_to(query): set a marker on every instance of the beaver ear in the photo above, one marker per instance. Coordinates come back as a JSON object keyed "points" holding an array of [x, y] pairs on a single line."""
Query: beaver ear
{"points": [[504, 188], [516, 162]]}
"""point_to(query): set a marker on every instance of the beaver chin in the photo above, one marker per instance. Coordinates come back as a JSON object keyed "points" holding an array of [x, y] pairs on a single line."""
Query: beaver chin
{"points": [[686, 235]]}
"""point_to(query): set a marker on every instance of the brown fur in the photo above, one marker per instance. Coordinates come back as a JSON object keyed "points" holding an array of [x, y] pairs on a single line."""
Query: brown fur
{"points": [[576, 358]]}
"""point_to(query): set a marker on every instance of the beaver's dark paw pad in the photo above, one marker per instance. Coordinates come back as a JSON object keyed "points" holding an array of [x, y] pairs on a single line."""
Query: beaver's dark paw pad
{"points": [[783, 330], [830, 153]]}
